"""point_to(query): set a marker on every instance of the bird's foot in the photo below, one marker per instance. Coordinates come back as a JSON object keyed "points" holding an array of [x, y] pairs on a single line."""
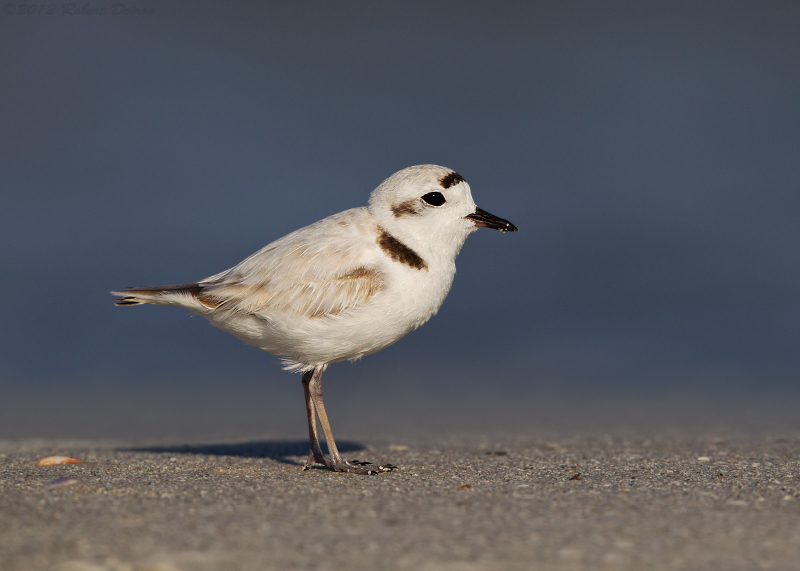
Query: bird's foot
{"points": [[316, 457], [353, 467], [363, 468], [349, 466]]}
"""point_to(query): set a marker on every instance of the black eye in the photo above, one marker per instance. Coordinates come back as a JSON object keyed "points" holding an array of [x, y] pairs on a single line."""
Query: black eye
{"points": [[434, 198]]}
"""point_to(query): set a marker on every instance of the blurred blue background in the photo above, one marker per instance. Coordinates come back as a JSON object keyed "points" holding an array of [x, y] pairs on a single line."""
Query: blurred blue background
{"points": [[648, 152]]}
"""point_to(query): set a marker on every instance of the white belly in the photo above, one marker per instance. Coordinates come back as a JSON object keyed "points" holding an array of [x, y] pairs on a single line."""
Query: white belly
{"points": [[410, 298]]}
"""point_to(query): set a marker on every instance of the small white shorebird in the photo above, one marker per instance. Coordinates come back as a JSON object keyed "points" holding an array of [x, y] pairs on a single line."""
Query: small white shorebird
{"points": [[344, 287]]}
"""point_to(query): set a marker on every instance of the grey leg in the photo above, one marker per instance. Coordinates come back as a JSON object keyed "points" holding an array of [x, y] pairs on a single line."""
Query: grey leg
{"points": [[315, 454], [312, 387], [315, 391]]}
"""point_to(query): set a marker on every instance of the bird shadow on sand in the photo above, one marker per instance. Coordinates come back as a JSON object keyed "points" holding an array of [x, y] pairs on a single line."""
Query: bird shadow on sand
{"points": [[283, 451]]}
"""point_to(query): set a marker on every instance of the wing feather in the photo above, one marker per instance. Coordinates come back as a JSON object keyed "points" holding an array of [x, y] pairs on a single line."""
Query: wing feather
{"points": [[321, 270]]}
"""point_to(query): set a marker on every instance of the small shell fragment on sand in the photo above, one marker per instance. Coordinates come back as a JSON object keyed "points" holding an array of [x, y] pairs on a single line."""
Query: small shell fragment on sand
{"points": [[55, 460]]}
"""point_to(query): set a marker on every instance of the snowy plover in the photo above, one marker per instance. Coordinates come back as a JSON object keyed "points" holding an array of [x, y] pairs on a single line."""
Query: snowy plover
{"points": [[344, 287]]}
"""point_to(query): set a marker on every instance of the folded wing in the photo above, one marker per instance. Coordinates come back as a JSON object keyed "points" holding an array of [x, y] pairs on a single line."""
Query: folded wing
{"points": [[322, 270]]}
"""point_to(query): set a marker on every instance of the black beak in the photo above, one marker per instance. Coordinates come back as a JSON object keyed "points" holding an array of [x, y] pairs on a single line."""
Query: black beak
{"points": [[483, 218]]}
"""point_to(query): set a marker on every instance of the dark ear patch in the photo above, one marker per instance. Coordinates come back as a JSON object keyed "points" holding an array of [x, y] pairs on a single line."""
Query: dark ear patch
{"points": [[449, 180], [399, 252], [406, 208]]}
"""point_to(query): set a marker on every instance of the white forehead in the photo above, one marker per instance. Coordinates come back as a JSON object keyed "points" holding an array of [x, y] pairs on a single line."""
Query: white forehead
{"points": [[415, 181]]}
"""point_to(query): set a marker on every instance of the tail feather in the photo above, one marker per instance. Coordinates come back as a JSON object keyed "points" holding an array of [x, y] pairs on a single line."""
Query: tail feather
{"points": [[127, 300], [151, 294]]}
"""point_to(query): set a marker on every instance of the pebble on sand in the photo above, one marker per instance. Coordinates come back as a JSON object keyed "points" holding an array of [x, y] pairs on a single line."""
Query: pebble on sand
{"points": [[55, 460]]}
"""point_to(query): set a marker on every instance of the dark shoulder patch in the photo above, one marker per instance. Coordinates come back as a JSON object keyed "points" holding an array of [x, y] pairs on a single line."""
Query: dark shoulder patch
{"points": [[407, 208], [399, 252], [449, 180]]}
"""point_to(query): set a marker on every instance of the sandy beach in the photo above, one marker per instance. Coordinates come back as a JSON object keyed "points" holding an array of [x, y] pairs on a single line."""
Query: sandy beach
{"points": [[583, 501]]}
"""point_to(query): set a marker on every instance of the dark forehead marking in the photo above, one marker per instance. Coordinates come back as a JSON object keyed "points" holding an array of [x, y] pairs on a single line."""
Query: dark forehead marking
{"points": [[398, 251], [450, 179], [407, 208]]}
